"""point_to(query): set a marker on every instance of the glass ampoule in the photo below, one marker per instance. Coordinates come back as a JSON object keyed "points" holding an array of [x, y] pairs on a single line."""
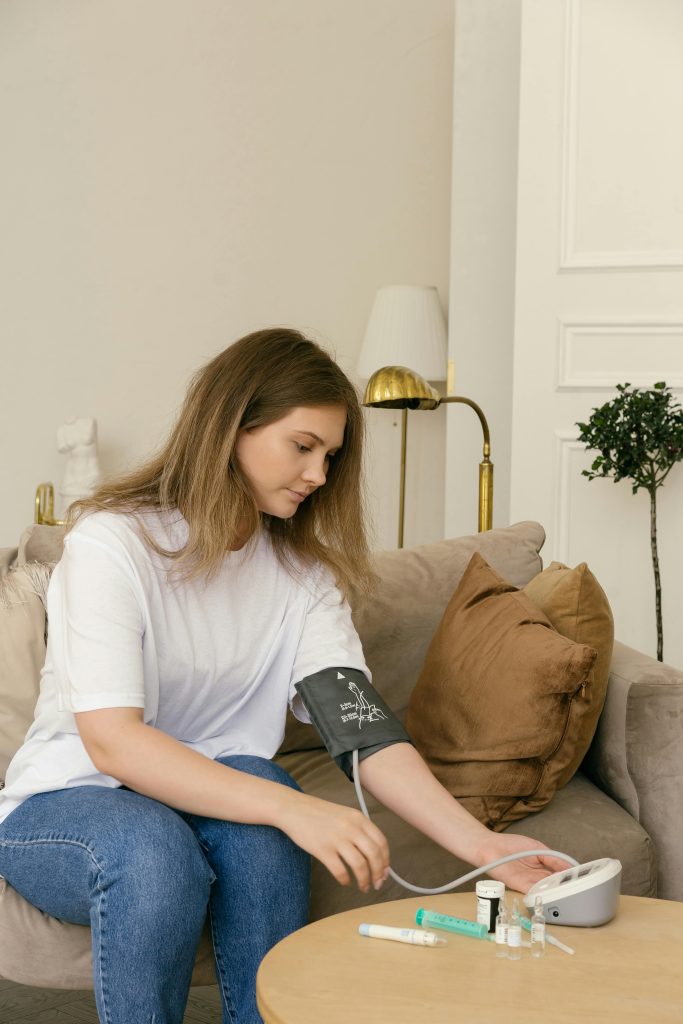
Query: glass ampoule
{"points": [[515, 932], [538, 929], [502, 924]]}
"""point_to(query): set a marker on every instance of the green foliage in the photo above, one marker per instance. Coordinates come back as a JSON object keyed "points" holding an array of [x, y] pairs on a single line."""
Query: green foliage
{"points": [[639, 435]]}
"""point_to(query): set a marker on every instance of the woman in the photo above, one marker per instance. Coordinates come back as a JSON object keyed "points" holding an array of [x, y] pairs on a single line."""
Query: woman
{"points": [[192, 596]]}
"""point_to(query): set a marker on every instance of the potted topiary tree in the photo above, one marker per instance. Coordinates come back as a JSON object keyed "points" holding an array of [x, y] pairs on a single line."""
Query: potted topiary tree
{"points": [[639, 435]]}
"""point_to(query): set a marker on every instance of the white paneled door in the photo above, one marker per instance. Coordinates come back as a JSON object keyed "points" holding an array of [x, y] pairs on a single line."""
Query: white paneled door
{"points": [[599, 284]]}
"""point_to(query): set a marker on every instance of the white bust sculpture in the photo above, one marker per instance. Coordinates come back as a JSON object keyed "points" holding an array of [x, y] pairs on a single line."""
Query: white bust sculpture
{"points": [[77, 437]]}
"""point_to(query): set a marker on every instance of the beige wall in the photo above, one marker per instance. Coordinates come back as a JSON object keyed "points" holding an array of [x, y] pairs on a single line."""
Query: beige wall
{"points": [[175, 174]]}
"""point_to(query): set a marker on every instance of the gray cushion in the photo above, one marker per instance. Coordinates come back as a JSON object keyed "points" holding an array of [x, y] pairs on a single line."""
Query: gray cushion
{"points": [[637, 754]]}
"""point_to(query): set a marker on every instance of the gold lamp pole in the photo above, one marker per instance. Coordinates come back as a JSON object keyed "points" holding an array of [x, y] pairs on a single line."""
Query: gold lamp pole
{"points": [[397, 387]]}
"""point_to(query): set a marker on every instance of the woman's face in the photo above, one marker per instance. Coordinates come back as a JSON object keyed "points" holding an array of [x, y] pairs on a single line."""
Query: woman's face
{"points": [[287, 460]]}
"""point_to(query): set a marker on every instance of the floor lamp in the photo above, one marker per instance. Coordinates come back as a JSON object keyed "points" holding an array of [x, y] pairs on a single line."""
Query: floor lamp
{"points": [[406, 325], [397, 387]]}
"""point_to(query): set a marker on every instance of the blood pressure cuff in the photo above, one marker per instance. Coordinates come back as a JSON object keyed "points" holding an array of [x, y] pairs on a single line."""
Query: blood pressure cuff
{"points": [[349, 714]]}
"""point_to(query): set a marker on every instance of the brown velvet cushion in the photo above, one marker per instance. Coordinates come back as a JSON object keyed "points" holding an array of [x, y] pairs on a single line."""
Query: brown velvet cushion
{"points": [[497, 709], [578, 608]]}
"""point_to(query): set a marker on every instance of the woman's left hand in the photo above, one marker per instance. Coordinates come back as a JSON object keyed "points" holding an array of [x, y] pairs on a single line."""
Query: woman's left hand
{"points": [[519, 874]]}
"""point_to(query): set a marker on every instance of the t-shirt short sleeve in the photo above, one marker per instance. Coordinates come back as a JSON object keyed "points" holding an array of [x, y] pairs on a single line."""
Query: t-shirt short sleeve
{"points": [[98, 656], [328, 639]]}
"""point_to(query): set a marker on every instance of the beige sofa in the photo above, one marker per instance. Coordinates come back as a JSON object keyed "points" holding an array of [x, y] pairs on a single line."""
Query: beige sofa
{"points": [[626, 802]]}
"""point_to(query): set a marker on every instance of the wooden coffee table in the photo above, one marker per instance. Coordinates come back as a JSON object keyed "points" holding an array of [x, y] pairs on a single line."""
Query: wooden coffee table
{"points": [[629, 970]]}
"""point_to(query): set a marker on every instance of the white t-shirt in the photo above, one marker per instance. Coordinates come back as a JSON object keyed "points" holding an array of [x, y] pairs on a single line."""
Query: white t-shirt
{"points": [[213, 663]]}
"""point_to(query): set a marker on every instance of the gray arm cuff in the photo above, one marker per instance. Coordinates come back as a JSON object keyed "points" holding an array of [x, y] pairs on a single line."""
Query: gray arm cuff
{"points": [[345, 761], [349, 714]]}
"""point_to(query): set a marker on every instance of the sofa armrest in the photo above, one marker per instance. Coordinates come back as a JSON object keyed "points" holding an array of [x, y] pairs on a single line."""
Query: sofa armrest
{"points": [[637, 754]]}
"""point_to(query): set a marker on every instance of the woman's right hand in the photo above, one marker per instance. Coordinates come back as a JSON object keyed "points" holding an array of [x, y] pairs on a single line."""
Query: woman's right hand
{"points": [[342, 838]]}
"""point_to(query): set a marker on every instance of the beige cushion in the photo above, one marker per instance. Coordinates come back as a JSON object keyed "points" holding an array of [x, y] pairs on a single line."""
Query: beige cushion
{"points": [[497, 711], [578, 608], [41, 544], [36, 949], [24, 576], [8, 560], [395, 626], [22, 653]]}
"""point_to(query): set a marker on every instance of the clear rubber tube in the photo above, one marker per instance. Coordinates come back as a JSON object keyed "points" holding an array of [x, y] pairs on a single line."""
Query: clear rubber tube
{"points": [[470, 874]]}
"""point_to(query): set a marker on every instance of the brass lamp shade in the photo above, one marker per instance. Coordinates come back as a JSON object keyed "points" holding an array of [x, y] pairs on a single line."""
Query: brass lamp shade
{"points": [[398, 387]]}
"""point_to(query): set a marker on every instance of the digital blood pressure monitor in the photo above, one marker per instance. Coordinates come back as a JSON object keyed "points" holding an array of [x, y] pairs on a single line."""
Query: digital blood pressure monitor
{"points": [[585, 895]]}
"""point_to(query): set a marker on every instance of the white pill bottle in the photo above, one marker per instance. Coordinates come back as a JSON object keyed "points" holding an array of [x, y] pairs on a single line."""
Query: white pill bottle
{"points": [[489, 895]]}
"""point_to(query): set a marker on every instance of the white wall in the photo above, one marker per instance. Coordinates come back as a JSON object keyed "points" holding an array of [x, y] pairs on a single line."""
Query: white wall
{"points": [[482, 279], [175, 174]]}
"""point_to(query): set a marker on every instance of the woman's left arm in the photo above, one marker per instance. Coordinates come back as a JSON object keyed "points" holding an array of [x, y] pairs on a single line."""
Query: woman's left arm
{"points": [[399, 778]]}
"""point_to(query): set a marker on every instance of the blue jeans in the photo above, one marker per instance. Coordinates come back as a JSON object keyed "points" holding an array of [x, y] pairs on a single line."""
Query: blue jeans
{"points": [[143, 876]]}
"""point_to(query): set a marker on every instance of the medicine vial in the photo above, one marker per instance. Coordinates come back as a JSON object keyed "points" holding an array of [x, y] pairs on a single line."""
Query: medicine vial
{"points": [[515, 932], [538, 929], [489, 895], [502, 923]]}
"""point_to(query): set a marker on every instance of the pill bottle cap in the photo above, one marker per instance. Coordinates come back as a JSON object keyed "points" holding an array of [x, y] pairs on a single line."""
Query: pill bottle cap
{"points": [[490, 889]]}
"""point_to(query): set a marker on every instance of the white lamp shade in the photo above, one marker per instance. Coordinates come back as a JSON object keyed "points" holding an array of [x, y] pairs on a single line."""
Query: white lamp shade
{"points": [[406, 328]]}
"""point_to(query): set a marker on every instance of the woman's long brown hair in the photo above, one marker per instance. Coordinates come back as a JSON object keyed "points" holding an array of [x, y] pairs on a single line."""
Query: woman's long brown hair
{"points": [[256, 381]]}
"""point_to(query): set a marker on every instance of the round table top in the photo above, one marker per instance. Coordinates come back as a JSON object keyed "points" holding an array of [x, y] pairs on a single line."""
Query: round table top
{"points": [[628, 970]]}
